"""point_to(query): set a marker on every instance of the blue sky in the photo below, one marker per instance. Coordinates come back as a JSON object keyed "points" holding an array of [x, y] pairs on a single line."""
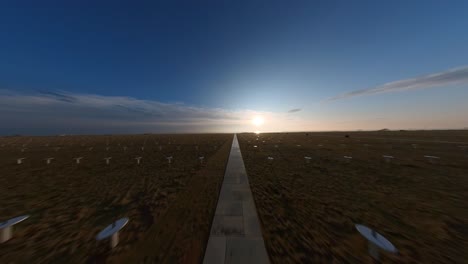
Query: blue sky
{"points": [[208, 66]]}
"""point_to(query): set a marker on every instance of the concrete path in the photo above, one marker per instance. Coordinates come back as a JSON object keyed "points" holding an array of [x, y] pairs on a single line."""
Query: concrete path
{"points": [[236, 236]]}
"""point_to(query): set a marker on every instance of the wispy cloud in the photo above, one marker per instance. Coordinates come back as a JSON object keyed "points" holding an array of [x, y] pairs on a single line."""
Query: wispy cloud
{"points": [[50, 112], [295, 110], [440, 79]]}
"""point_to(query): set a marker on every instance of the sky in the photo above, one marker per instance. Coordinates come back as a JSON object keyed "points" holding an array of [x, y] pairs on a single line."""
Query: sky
{"points": [[89, 67]]}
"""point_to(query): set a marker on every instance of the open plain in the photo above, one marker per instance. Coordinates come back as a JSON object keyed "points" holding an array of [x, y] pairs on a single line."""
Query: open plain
{"points": [[308, 207], [170, 206], [309, 189]]}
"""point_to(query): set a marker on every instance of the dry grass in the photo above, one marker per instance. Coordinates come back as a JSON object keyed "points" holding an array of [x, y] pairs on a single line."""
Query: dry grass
{"points": [[308, 210], [170, 207]]}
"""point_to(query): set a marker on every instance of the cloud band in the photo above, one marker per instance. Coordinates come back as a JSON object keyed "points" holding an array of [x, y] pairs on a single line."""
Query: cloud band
{"points": [[440, 79]]}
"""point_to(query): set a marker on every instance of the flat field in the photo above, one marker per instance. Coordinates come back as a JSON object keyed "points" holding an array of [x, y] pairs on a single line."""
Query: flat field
{"points": [[308, 210], [170, 206]]}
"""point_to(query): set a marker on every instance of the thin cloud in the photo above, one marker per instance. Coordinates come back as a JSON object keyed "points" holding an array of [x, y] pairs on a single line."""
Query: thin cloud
{"points": [[441, 79], [52, 112], [295, 110], [59, 96]]}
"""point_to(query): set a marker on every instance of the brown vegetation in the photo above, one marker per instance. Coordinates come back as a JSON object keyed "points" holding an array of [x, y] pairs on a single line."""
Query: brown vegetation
{"points": [[170, 206], [308, 210]]}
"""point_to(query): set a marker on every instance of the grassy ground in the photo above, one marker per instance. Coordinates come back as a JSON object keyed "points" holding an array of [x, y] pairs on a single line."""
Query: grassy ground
{"points": [[308, 210], [170, 206]]}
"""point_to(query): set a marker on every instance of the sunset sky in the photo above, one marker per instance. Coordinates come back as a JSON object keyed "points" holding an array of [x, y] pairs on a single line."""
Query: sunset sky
{"points": [[74, 67]]}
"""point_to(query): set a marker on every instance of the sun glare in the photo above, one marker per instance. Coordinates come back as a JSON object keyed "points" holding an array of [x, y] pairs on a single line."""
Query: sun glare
{"points": [[258, 121]]}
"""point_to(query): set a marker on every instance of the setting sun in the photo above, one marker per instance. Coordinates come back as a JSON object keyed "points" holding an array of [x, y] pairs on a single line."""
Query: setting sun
{"points": [[258, 121]]}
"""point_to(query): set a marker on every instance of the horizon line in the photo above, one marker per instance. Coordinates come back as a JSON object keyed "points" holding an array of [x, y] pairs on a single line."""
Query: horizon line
{"points": [[241, 132]]}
